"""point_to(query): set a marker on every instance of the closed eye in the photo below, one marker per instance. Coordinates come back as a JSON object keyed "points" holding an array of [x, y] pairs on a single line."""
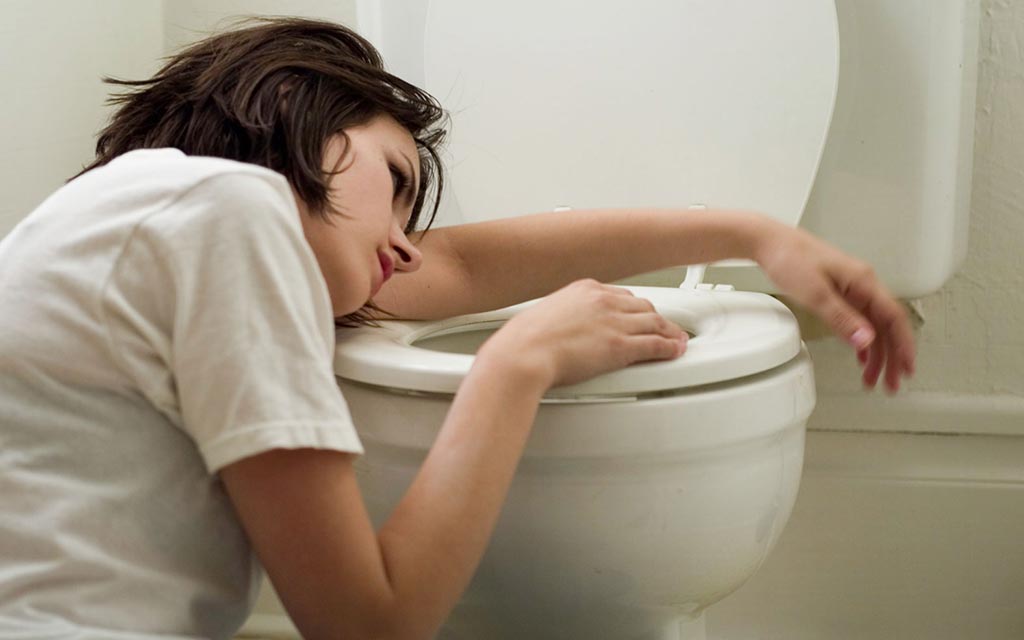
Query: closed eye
{"points": [[399, 181]]}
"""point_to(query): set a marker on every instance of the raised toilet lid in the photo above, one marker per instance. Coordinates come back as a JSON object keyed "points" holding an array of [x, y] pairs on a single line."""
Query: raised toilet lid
{"points": [[566, 103], [735, 334]]}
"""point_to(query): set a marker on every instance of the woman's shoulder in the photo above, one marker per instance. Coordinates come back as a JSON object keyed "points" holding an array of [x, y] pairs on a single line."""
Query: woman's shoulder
{"points": [[199, 196], [173, 169]]}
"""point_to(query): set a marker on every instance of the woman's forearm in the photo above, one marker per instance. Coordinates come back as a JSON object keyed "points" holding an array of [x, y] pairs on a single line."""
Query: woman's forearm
{"points": [[487, 265], [439, 530]]}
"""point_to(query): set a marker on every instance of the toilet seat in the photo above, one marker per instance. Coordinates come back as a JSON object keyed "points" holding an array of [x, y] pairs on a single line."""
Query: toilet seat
{"points": [[735, 334]]}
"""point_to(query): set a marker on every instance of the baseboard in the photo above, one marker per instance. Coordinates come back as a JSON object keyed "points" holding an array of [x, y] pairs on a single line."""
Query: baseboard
{"points": [[920, 413]]}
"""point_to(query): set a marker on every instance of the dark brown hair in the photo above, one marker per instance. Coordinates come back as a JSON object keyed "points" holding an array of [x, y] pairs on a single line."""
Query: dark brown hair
{"points": [[272, 92]]}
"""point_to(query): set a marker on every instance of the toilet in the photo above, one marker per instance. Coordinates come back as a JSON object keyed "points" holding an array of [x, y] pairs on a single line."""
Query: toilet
{"points": [[644, 495]]}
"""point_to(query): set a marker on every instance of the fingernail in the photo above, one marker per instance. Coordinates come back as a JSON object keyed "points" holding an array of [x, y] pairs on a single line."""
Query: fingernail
{"points": [[861, 338]]}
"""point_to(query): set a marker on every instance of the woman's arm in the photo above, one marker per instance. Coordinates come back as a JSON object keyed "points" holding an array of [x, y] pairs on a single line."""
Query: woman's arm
{"points": [[304, 515], [337, 578], [487, 265]]}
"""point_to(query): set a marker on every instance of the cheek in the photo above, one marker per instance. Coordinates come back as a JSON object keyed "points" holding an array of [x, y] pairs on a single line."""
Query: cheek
{"points": [[337, 262]]}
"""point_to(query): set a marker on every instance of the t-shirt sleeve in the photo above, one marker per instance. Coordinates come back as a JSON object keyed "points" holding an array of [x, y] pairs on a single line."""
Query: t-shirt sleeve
{"points": [[221, 314]]}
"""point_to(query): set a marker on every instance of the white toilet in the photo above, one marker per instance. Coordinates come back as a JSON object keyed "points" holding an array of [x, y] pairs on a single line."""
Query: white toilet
{"points": [[647, 494], [643, 496]]}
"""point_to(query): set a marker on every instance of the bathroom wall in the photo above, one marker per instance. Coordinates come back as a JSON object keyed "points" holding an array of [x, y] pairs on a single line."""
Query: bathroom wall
{"points": [[186, 20], [912, 508], [52, 56]]}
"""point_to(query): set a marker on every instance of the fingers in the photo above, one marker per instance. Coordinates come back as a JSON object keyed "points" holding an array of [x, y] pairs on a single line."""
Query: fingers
{"points": [[653, 324], [642, 348], [650, 336], [862, 356], [845, 293], [583, 330], [873, 363], [640, 317], [895, 368], [846, 321], [893, 348]]}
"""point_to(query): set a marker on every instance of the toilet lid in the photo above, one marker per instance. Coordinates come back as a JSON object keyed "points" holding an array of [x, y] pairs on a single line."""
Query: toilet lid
{"points": [[567, 103], [735, 334]]}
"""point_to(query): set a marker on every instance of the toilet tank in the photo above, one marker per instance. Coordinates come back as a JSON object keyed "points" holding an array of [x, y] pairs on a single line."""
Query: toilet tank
{"points": [[894, 185], [893, 172]]}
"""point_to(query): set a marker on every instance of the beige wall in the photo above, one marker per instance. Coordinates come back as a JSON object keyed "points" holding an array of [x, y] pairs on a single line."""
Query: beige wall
{"points": [[185, 20], [52, 56], [981, 336]]}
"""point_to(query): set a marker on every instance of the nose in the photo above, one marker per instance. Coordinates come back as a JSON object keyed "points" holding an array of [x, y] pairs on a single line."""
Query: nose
{"points": [[408, 256]]}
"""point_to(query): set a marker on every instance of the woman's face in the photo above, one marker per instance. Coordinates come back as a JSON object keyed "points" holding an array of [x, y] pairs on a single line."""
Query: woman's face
{"points": [[372, 193]]}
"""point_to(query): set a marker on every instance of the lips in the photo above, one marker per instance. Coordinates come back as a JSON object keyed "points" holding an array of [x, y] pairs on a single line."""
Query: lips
{"points": [[387, 267]]}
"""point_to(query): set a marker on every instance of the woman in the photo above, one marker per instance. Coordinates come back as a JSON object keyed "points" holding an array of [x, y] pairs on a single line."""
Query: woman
{"points": [[166, 344]]}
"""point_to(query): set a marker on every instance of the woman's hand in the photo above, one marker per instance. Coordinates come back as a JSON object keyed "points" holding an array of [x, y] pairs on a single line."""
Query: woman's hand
{"points": [[582, 330], [845, 293]]}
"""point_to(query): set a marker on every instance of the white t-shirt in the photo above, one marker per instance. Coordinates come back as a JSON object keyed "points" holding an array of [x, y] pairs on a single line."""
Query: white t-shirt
{"points": [[160, 318]]}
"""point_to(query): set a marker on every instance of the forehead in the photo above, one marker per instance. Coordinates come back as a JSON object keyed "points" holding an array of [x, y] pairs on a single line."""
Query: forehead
{"points": [[387, 130]]}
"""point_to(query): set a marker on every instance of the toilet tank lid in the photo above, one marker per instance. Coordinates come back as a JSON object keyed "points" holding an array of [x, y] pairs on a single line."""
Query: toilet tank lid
{"points": [[735, 334], [560, 103]]}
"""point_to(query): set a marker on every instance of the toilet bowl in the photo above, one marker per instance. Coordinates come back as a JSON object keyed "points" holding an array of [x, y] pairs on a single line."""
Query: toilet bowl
{"points": [[643, 495]]}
